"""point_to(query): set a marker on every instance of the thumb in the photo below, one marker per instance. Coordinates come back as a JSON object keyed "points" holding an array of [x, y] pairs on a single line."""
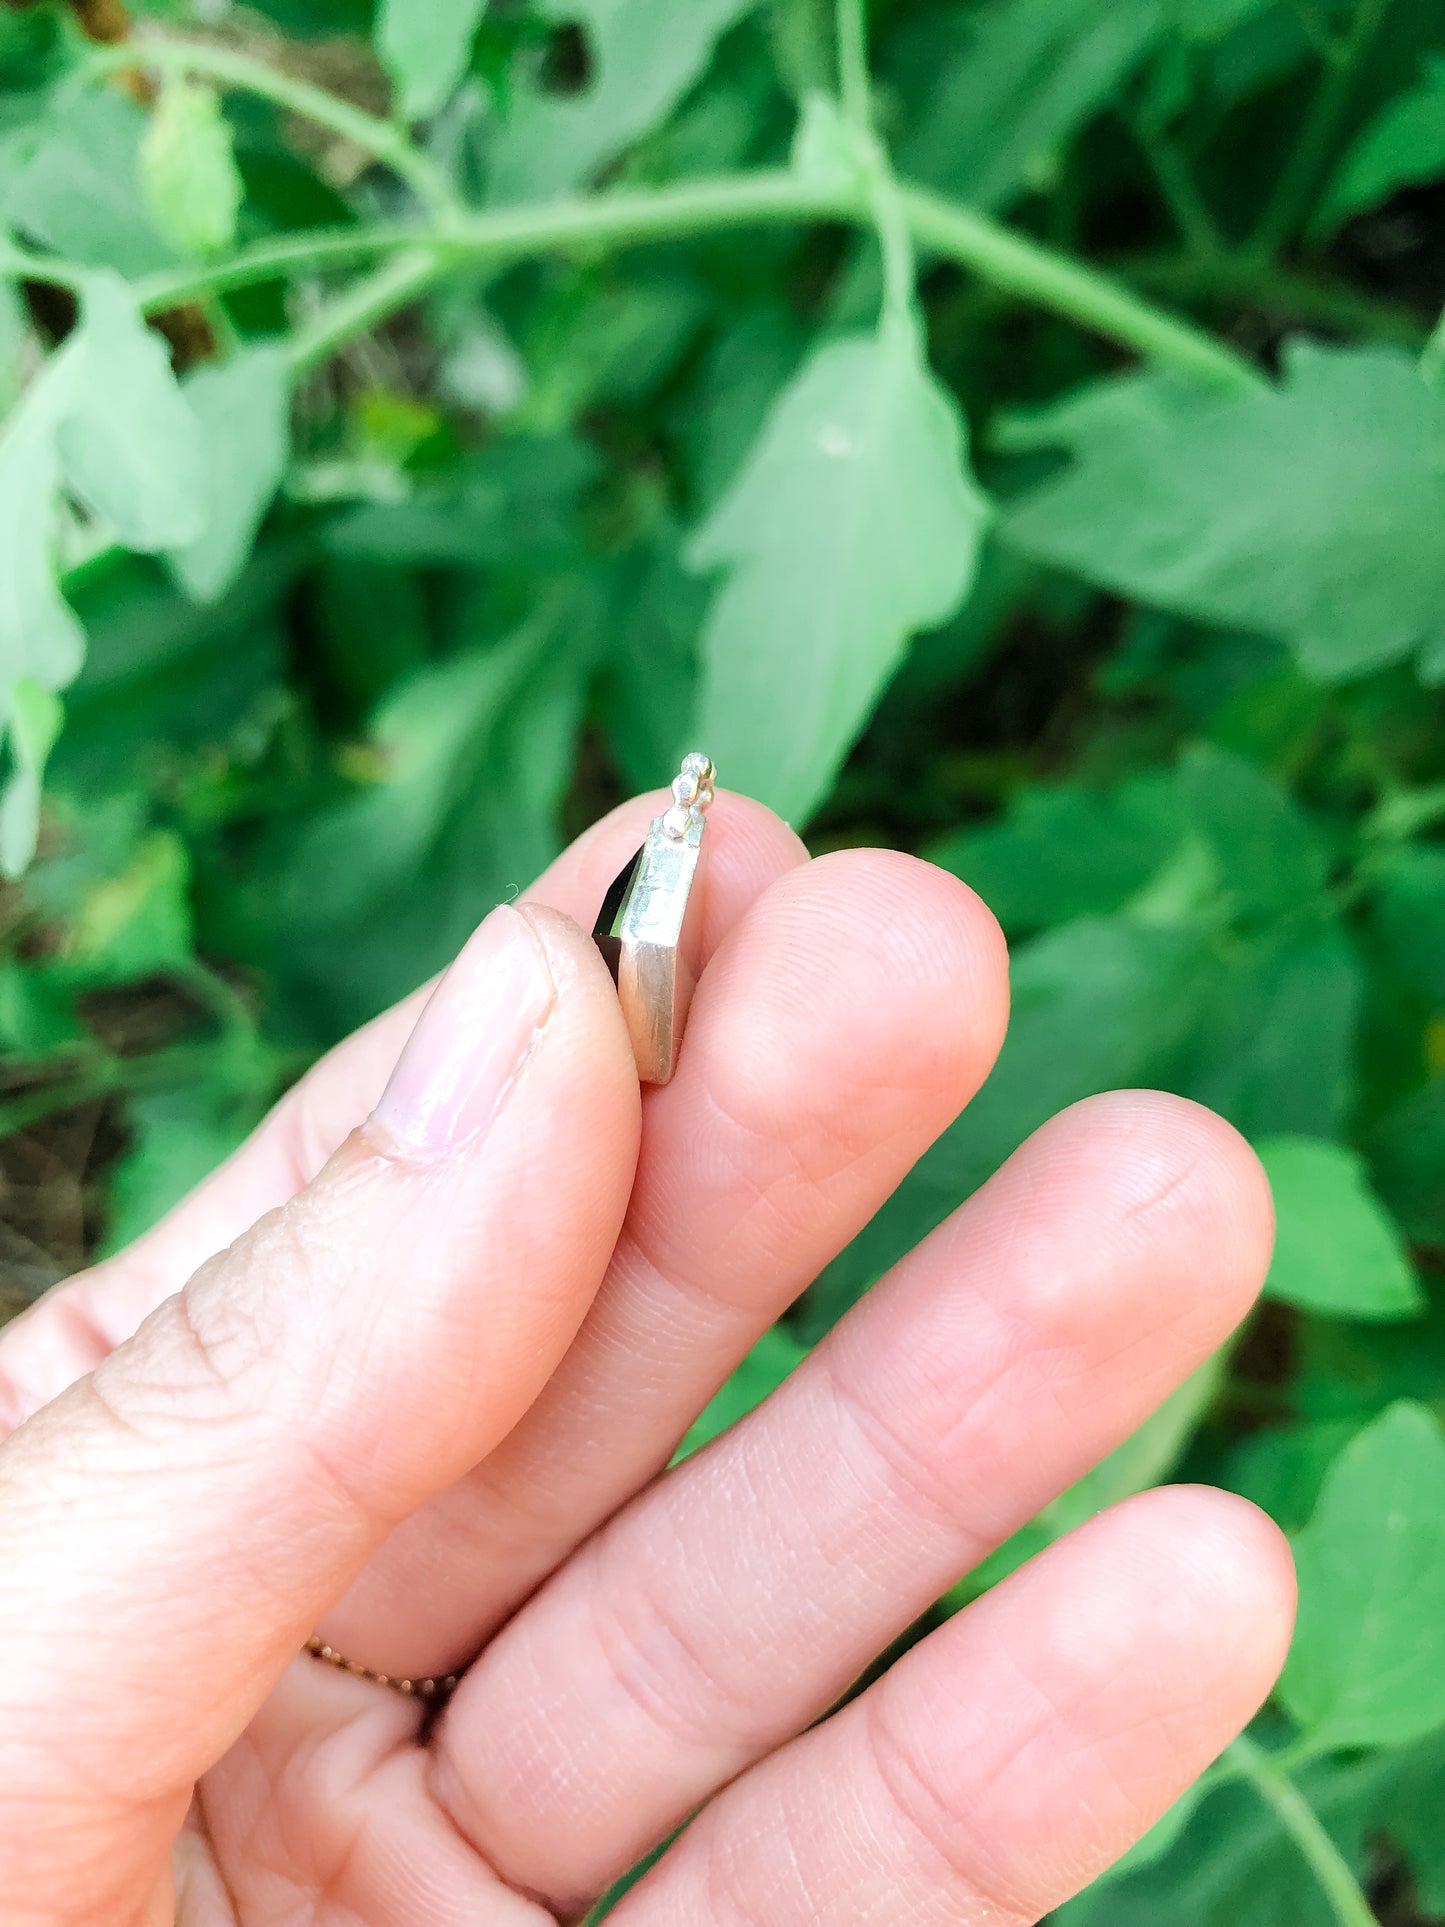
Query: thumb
{"points": [[175, 1524]]}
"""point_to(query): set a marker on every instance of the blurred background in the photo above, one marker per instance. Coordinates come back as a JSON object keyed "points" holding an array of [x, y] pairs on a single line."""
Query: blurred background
{"points": [[469, 625]]}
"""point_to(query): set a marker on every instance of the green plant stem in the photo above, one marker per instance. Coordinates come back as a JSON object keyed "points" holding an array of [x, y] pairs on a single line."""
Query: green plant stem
{"points": [[1432, 356], [1179, 189], [1253, 283], [382, 139], [20, 264], [1052, 280], [364, 305], [1304, 1827], [1300, 174], [1008, 261], [854, 89]]}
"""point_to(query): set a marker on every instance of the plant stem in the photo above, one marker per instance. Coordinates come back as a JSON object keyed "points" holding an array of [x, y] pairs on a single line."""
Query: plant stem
{"points": [[1253, 283], [854, 89], [1055, 281], [1179, 189], [364, 305], [1006, 260], [1432, 357], [382, 139], [1304, 1827], [20, 264], [1300, 173]]}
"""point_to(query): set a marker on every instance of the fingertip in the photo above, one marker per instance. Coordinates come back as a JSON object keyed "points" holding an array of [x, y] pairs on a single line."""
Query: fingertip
{"points": [[1164, 1180], [1234, 1566], [899, 969]]}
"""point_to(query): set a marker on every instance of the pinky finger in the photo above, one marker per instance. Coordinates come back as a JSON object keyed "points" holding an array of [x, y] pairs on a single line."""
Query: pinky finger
{"points": [[1018, 1751]]}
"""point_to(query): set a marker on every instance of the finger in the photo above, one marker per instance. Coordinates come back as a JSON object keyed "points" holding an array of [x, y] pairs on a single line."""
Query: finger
{"points": [[819, 1065], [734, 1602], [73, 1327], [175, 1522], [1016, 1753]]}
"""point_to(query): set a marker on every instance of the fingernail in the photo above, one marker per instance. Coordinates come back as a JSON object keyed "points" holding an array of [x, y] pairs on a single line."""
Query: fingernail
{"points": [[477, 1030]]}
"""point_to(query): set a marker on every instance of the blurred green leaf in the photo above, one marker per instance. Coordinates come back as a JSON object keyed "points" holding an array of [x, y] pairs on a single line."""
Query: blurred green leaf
{"points": [[1404, 145], [1066, 851], [178, 1137], [1407, 1153], [1232, 1866], [1410, 908], [1275, 1038], [1367, 1667], [14, 333], [1028, 74], [243, 408], [128, 442], [138, 922], [37, 1015], [80, 191], [853, 523], [1269, 855], [642, 57], [1336, 1248], [1308, 511], [471, 757], [425, 49], [34, 716], [188, 168]]}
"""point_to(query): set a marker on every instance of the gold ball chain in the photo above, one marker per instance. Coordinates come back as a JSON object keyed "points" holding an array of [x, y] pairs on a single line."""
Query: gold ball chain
{"points": [[440, 1688]]}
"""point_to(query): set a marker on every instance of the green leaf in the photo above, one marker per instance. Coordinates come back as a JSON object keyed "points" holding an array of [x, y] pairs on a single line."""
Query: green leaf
{"points": [[853, 523], [1273, 1048], [1407, 1152], [1410, 908], [243, 407], [425, 49], [138, 922], [14, 334], [1336, 1250], [1367, 1667], [1269, 856], [1311, 511], [1281, 1470], [41, 643], [1066, 851], [177, 1138], [1402, 146], [775, 1355], [80, 192], [128, 442], [643, 56], [188, 168], [1231, 1865], [472, 756], [1029, 75], [35, 719]]}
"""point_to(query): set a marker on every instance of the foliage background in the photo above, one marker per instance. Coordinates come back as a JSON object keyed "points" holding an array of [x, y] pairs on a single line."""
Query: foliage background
{"points": [[464, 520]]}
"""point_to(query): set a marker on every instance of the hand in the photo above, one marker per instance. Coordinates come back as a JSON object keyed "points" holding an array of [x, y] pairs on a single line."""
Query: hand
{"points": [[422, 1397]]}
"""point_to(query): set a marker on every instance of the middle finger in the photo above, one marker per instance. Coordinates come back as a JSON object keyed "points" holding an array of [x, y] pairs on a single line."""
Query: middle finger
{"points": [[818, 1068]]}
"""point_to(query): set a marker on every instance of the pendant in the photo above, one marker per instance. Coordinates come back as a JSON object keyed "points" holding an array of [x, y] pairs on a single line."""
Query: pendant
{"points": [[648, 926]]}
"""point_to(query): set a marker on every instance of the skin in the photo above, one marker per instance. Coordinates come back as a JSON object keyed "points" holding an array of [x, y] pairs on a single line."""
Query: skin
{"points": [[421, 1397]]}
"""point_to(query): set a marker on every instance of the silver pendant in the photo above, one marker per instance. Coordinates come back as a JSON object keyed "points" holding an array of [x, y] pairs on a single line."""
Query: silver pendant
{"points": [[648, 926]]}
